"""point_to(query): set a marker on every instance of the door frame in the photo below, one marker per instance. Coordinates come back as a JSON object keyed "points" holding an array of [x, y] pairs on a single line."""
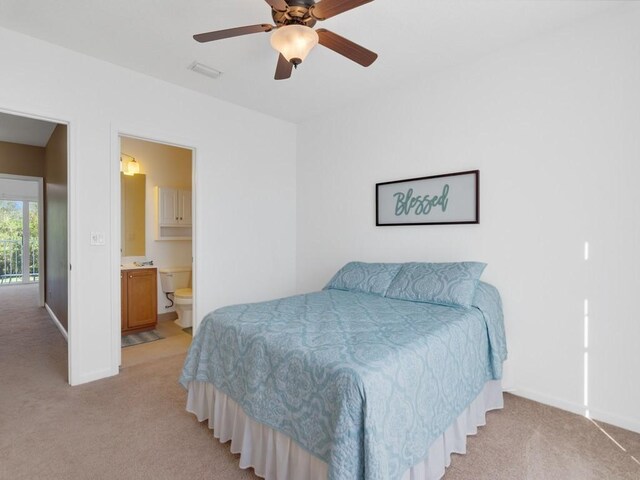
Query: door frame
{"points": [[41, 264], [73, 348], [148, 134]]}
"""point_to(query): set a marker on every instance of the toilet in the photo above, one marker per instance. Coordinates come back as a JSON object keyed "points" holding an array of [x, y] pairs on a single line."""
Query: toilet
{"points": [[177, 281]]}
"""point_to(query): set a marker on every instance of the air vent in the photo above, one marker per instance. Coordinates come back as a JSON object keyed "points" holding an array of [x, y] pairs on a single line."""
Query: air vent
{"points": [[205, 70]]}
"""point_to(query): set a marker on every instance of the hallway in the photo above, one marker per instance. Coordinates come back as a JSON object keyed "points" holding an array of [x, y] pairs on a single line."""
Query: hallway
{"points": [[36, 346]]}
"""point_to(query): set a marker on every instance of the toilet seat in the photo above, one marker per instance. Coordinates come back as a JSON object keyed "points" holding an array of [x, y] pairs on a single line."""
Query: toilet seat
{"points": [[183, 293]]}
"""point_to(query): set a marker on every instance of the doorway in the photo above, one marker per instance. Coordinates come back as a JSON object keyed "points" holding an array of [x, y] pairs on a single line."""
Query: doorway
{"points": [[34, 236], [156, 232]]}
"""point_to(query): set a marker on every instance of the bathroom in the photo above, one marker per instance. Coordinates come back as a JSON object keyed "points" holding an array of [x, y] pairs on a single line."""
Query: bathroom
{"points": [[156, 249]]}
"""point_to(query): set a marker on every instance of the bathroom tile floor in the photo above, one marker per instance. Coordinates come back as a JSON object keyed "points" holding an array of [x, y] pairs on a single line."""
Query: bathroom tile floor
{"points": [[175, 341]]}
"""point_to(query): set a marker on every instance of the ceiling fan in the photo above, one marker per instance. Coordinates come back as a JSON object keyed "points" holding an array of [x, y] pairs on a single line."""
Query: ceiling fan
{"points": [[293, 36]]}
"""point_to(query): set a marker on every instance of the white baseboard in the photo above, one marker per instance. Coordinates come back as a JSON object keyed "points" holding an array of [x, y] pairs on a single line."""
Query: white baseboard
{"points": [[56, 322], [617, 420], [95, 375], [595, 414]]}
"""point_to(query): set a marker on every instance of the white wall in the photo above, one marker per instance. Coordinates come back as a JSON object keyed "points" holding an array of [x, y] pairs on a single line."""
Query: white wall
{"points": [[164, 166], [245, 248], [553, 125]]}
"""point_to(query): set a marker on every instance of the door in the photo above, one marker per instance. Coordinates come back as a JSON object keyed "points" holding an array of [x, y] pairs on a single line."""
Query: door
{"points": [[142, 298], [124, 308], [185, 206], [168, 202]]}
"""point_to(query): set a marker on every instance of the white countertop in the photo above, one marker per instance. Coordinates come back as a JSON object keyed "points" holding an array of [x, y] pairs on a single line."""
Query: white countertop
{"points": [[131, 266]]}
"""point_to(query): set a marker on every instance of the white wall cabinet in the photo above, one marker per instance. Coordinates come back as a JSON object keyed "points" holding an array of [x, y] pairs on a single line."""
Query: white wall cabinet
{"points": [[174, 207], [184, 207], [173, 213]]}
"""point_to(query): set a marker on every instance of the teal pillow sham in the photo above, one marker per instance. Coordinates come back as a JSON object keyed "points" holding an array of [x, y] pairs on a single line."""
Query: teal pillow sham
{"points": [[372, 278], [441, 283]]}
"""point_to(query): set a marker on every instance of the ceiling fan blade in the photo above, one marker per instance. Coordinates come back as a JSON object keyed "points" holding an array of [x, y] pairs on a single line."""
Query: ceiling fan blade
{"points": [[279, 5], [232, 32], [345, 47], [330, 8], [283, 69]]}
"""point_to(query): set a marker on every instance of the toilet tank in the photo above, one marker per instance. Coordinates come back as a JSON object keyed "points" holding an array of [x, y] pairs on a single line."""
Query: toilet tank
{"points": [[174, 278]]}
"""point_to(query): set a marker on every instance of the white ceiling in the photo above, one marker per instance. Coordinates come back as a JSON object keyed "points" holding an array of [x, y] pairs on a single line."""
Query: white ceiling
{"points": [[412, 38], [18, 189], [26, 131]]}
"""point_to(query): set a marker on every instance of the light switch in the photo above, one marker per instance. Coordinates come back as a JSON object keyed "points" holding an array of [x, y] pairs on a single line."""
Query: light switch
{"points": [[97, 238]]}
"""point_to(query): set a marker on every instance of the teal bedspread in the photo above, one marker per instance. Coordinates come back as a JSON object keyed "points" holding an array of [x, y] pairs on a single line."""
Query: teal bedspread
{"points": [[361, 381]]}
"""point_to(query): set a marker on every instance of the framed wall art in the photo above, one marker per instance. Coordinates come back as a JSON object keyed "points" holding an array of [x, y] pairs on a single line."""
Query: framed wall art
{"points": [[453, 198]]}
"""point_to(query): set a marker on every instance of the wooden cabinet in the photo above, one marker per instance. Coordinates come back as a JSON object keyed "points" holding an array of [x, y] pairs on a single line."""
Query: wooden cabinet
{"points": [[139, 298]]}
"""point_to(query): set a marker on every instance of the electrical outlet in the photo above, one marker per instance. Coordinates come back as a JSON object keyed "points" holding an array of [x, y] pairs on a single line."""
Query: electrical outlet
{"points": [[97, 238]]}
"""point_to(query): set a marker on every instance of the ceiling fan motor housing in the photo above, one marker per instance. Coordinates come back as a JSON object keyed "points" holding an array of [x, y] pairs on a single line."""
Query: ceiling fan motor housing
{"points": [[298, 12]]}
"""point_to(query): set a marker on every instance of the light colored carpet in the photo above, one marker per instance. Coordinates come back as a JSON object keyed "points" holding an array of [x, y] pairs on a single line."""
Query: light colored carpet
{"points": [[134, 426]]}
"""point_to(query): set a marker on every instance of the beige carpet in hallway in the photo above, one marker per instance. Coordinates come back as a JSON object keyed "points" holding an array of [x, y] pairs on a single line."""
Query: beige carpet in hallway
{"points": [[134, 426]]}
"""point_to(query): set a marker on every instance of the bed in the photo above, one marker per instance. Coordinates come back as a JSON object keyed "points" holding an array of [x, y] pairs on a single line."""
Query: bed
{"points": [[379, 376]]}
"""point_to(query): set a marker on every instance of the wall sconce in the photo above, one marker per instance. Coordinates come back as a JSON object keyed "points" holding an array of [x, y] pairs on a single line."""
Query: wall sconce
{"points": [[133, 166]]}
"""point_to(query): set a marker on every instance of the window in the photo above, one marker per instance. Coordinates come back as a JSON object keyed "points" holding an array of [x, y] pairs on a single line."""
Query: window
{"points": [[19, 242]]}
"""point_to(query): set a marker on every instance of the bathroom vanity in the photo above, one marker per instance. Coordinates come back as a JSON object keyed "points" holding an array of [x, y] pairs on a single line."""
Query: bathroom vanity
{"points": [[139, 299]]}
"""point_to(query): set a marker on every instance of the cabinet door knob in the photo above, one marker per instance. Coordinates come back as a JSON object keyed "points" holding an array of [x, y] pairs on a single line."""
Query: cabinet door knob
{"points": [[130, 276]]}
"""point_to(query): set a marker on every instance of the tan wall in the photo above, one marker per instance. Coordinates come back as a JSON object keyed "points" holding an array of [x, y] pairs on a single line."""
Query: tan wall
{"points": [[17, 159], [55, 232]]}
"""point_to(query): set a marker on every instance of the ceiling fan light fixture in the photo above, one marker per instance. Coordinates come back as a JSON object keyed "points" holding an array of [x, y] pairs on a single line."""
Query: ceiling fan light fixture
{"points": [[294, 42]]}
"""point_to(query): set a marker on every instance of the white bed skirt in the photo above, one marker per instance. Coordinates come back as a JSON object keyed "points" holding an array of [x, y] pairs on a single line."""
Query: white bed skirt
{"points": [[274, 456]]}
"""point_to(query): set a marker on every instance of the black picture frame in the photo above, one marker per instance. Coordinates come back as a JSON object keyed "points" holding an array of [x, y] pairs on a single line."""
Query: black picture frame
{"points": [[471, 212]]}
